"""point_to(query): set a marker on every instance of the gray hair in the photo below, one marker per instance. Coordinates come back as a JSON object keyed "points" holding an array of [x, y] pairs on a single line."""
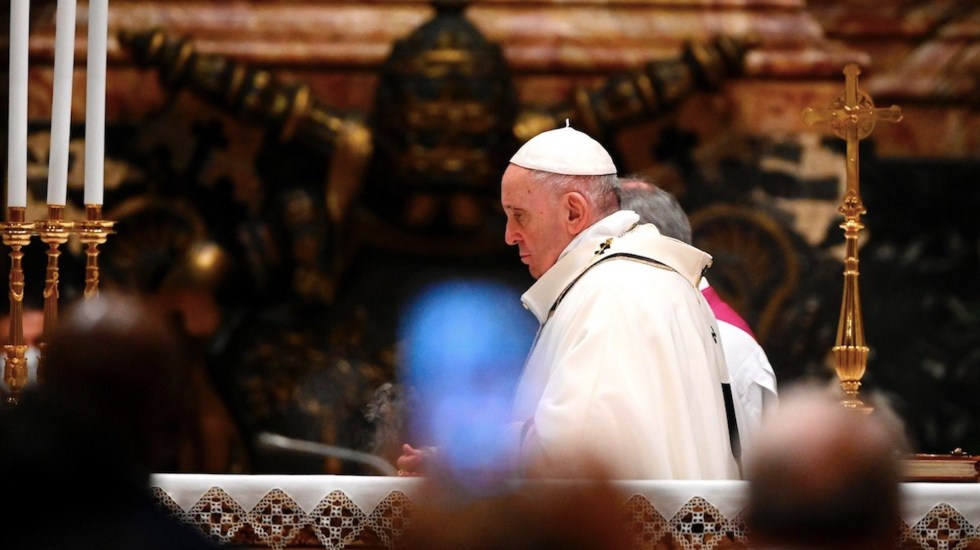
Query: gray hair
{"points": [[657, 206], [601, 192]]}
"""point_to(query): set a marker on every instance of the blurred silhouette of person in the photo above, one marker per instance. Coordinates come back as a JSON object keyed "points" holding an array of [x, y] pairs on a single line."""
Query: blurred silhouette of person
{"points": [[107, 413], [531, 516], [822, 476], [752, 379]]}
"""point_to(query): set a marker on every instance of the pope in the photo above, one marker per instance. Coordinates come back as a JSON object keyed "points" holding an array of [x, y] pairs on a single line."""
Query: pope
{"points": [[624, 377]]}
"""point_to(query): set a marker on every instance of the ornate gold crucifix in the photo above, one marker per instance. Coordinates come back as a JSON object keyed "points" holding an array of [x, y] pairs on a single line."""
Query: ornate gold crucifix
{"points": [[852, 117]]}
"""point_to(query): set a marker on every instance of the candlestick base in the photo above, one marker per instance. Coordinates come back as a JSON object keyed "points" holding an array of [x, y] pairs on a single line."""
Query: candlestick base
{"points": [[14, 372]]}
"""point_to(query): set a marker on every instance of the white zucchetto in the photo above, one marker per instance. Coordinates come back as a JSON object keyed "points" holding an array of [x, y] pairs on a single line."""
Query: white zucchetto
{"points": [[565, 151]]}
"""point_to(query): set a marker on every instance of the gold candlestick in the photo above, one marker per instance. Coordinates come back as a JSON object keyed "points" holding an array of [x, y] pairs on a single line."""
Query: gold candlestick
{"points": [[852, 117], [16, 235], [93, 231], [54, 232]]}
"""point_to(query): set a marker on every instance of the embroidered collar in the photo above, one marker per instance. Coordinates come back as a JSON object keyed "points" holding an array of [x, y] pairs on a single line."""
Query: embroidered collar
{"points": [[614, 234]]}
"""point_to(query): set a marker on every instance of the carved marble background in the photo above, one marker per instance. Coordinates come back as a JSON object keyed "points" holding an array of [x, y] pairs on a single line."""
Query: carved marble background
{"points": [[286, 351]]}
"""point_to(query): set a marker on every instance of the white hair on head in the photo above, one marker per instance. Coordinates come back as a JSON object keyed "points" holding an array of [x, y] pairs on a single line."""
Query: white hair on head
{"points": [[601, 192]]}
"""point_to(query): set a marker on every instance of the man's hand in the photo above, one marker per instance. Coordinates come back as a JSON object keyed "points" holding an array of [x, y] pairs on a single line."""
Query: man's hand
{"points": [[412, 462]]}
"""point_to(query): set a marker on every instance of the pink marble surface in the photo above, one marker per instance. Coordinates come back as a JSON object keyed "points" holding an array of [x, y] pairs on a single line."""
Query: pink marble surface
{"points": [[912, 51]]}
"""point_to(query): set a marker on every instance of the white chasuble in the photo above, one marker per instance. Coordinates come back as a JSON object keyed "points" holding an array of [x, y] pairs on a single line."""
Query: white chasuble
{"points": [[627, 366]]}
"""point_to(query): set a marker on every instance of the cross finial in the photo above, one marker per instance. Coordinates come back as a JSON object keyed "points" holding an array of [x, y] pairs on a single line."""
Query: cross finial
{"points": [[852, 117]]}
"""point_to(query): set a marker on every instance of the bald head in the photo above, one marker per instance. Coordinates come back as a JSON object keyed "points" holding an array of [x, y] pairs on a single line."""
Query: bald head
{"points": [[824, 476], [115, 364]]}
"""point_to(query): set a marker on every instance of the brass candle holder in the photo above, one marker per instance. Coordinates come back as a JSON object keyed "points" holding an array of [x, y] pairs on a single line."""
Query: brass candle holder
{"points": [[16, 235], [53, 231], [93, 231]]}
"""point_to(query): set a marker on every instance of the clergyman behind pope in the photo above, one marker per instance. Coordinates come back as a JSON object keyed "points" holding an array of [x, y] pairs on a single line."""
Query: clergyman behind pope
{"points": [[625, 374]]}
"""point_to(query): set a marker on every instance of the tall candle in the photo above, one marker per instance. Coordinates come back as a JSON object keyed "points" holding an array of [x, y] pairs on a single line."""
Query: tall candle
{"points": [[17, 123], [98, 33], [64, 61]]}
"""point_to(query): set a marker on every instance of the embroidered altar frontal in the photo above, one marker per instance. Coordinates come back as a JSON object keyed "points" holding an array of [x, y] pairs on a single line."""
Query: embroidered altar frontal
{"points": [[338, 512]]}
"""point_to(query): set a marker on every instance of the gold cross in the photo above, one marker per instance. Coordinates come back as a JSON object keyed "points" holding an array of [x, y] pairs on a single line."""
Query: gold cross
{"points": [[603, 247], [852, 117]]}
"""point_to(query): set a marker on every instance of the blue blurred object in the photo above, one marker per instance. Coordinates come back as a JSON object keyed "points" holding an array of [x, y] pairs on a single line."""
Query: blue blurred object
{"points": [[464, 345]]}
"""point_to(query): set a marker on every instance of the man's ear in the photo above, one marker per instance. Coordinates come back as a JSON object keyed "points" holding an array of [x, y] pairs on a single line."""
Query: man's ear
{"points": [[578, 213]]}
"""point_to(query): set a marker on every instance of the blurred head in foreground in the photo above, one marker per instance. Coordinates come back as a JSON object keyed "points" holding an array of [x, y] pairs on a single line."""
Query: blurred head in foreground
{"points": [[824, 477], [105, 414], [113, 364], [534, 516]]}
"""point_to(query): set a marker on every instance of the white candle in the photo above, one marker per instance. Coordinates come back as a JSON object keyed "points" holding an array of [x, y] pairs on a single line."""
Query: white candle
{"points": [[17, 124], [64, 65], [98, 33]]}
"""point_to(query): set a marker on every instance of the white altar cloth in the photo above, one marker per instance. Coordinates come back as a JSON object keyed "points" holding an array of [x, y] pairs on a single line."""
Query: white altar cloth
{"points": [[918, 499], [306, 490], [247, 504]]}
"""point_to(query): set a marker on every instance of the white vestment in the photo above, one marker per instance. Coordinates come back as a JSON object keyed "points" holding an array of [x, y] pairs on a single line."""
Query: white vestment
{"points": [[752, 378], [627, 365]]}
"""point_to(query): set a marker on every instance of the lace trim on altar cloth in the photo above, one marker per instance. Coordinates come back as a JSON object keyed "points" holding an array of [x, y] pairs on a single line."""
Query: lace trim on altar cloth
{"points": [[276, 521]]}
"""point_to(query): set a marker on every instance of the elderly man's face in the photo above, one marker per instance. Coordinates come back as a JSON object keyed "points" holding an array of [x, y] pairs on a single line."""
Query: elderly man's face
{"points": [[535, 220]]}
